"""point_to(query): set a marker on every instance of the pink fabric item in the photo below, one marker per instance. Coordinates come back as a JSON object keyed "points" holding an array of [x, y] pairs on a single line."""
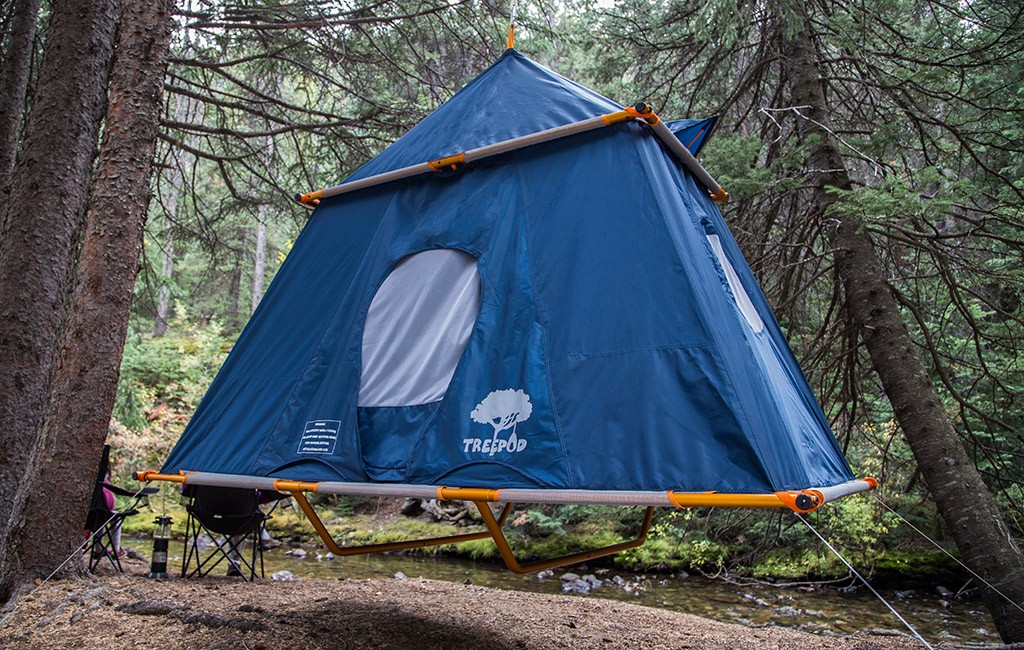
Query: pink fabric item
{"points": [[108, 499]]}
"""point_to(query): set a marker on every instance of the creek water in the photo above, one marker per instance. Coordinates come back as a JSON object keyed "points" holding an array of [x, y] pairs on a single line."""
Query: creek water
{"points": [[825, 610]]}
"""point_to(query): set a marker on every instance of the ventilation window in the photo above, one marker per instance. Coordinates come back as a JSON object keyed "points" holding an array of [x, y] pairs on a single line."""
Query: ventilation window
{"points": [[739, 293], [417, 327]]}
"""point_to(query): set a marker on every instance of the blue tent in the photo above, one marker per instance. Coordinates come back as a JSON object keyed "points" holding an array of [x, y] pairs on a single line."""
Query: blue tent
{"points": [[559, 321]]}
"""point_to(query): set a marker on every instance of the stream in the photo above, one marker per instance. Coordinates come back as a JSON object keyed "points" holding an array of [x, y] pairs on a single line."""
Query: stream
{"points": [[819, 610]]}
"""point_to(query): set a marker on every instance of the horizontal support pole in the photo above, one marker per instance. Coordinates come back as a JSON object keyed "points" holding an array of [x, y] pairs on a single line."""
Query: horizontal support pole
{"points": [[641, 111], [522, 495]]}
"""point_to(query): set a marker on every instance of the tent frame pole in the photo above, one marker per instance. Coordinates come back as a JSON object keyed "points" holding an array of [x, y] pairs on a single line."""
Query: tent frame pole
{"points": [[494, 531], [494, 528], [641, 111], [387, 547]]}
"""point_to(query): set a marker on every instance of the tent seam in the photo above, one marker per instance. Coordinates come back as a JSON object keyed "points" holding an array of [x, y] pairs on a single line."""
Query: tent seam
{"points": [[754, 437], [582, 356], [543, 326]]}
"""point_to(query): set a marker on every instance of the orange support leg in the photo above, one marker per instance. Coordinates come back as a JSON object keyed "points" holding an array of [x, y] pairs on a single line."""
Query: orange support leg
{"points": [[494, 526], [333, 547]]}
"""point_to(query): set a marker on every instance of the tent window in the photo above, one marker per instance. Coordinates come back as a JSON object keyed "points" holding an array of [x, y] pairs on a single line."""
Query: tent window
{"points": [[417, 327], [739, 293]]}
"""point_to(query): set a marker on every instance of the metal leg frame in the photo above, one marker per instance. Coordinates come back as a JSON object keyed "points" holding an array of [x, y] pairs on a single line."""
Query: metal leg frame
{"points": [[494, 532], [333, 547], [494, 528], [226, 548], [102, 545]]}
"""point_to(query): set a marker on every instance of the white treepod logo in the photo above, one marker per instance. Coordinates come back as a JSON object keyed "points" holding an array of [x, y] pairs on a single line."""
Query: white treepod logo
{"points": [[502, 409]]}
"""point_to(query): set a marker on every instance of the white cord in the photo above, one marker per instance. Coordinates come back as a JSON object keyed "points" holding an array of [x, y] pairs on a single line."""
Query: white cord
{"points": [[936, 545], [74, 553], [866, 583], [512, 12]]}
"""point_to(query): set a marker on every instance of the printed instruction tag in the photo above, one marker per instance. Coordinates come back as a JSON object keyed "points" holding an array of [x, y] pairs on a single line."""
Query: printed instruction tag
{"points": [[320, 437]]}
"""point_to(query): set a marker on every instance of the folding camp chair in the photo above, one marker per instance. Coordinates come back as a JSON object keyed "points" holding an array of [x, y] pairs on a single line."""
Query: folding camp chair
{"points": [[230, 517], [102, 522]]}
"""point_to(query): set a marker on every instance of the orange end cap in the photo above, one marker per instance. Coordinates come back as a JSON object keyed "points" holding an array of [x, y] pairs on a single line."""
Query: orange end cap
{"points": [[310, 198], [873, 482], [721, 195], [803, 501]]}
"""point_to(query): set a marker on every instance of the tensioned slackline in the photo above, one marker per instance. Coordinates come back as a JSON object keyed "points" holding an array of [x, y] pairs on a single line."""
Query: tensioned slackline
{"points": [[640, 111]]}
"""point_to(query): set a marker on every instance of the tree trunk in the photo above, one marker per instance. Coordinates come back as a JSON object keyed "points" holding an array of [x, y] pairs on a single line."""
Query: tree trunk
{"points": [[963, 499], [163, 303], [176, 181], [14, 83], [259, 271], [85, 382], [231, 317], [42, 225]]}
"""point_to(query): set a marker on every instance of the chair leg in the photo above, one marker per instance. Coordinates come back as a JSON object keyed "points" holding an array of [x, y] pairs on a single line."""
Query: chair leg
{"points": [[102, 545], [189, 542], [259, 545], [206, 565]]}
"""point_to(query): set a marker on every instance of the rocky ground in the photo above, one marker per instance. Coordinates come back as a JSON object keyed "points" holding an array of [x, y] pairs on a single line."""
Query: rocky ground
{"points": [[131, 611]]}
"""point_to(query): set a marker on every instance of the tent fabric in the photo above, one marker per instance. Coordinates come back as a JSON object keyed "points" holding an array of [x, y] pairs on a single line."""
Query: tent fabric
{"points": [[615, 345]]}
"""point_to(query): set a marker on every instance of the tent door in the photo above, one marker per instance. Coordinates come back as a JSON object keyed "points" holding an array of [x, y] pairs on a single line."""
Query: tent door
{"points": [[416, 330]]}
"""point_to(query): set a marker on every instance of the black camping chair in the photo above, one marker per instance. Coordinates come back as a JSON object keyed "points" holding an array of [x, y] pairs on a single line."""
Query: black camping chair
{"points": [[230, 517], [101, 523]]}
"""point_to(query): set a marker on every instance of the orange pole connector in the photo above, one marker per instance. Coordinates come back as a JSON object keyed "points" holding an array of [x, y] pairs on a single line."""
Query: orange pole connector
{"points": [[282, 485], [152, 475], [467, 494], [451, 162], [510, 42]]}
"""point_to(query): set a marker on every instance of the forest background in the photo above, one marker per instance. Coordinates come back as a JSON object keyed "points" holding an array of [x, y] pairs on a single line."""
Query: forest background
{"points": [[893, 122]]}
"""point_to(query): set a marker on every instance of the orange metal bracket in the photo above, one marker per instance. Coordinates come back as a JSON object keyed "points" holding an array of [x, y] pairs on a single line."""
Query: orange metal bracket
{"points": [[150, 475], [365, 549], [451, 162], [494, 526]]}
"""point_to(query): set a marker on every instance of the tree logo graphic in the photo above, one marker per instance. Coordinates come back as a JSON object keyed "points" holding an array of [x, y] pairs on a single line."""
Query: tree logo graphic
{"points": [[502, 410]]}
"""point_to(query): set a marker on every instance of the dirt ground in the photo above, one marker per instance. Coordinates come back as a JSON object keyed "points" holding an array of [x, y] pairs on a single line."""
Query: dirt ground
{"points": [[131, 611]]}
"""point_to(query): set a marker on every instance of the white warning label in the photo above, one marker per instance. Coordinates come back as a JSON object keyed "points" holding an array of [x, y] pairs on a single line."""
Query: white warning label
{"points": [[320, 437]]}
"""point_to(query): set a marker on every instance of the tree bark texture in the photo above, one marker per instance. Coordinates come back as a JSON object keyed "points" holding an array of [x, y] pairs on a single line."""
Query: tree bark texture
{"points": [[960, 494], [42, 225], [14, 83], [84, 384]]}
